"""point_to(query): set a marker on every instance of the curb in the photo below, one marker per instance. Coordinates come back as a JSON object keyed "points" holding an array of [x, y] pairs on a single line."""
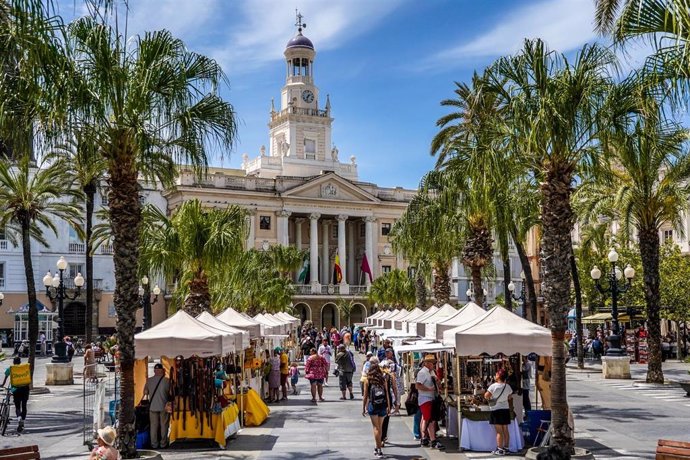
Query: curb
{"points": [[40, 390]]}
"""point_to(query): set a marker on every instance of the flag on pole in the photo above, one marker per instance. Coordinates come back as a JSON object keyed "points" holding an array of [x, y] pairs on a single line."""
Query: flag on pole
{"points": [[304, 272], [337, 271], [366, 269]]}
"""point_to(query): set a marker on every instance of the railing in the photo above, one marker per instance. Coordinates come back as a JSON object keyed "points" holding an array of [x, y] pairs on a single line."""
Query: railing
{"points": [[106, 249], [77, 248], [302, 289], [3, 245], [332, 289], [357, 290], [69, 283], [300, 111]]}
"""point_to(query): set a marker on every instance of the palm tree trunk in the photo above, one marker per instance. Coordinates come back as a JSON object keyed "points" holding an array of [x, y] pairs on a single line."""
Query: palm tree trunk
{"points": [[30, 291], [442, 283], [476, 274], [420, 290], [125, 220], [649, 249], [91, 313], [531, 300], [557, 221], [199, 298], [506, 281], [578, 309]]}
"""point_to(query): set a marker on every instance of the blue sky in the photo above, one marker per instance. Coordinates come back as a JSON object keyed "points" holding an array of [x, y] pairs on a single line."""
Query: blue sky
{"points": [[386, 64]]}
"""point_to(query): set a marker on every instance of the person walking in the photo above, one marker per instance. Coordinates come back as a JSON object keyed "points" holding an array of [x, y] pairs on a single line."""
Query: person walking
{"points": [[316, 370], [376, 403], [325, 351], [365, 370], [499, 394], [294, 377], [157, 389], [274, 377], [428, 389], [89, 363], [20, 384], [526, 371], [44, 343], [284, 372], [346, 369], [392, 389]]}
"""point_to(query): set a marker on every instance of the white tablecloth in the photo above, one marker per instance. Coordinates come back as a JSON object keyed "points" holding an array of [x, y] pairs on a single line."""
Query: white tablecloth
{"points": [[481, 436]]}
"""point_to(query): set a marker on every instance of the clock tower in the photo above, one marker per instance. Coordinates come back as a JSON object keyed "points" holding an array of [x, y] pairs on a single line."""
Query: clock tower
{"points": [[300, 131]]}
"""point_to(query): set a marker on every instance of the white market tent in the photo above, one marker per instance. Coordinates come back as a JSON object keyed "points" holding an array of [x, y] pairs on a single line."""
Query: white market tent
{"points": [[416, 313], [398, 322], [386, 315], [372, 318], [241, 336], [236, 319], [444, 313], [417, 326], [464, 316], [388, 322], [288, 317], [499, 331], [287, 324], [181, 334], [271, 326]]}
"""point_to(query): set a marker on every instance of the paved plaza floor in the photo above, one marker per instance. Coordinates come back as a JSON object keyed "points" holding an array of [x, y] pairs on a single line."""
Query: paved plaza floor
{"points": [[617, 419]]}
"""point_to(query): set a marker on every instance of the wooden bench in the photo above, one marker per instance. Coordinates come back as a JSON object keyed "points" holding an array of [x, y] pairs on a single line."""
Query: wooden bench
{"points": [[668, 450], [20, 453]]}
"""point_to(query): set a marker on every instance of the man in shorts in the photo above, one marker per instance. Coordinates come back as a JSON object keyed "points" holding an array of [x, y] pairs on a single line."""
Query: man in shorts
{"points": [[427, 388], [346, 369], [284, 371]]}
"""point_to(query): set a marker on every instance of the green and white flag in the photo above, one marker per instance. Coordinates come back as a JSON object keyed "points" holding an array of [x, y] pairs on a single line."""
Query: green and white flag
{"points": [[304, 273]]}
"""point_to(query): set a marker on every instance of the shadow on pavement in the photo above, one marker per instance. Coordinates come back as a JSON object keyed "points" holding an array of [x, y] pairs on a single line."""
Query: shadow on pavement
{"points": [[632, 415], [600, 450]]}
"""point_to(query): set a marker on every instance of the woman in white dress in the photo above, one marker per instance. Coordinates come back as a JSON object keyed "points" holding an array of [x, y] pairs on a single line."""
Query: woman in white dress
{"points": [[326, 352]]}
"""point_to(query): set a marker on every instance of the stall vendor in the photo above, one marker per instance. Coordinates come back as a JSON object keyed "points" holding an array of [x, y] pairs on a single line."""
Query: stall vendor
{"points": [[157, 389]]}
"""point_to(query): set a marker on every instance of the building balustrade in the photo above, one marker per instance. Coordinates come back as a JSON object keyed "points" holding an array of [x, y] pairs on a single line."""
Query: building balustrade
{"points": [[97, 284], [3, 245], [77, 248], [329, 289]]}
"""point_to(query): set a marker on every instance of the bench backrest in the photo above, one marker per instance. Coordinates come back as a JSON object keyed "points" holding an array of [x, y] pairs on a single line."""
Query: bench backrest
{"points": [[671, 450], [20, 453]]}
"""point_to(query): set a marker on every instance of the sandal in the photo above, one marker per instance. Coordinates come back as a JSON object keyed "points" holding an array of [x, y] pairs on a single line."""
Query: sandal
{"points": [[342, 398], [313, 400], [322, 400]]}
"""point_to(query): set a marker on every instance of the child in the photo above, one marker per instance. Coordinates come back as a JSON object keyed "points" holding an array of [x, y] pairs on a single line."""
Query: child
{"points": [[294, 377]]}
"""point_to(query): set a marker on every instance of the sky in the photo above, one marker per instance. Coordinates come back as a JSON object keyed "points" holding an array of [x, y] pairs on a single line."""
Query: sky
{"points": [[386, 64]]}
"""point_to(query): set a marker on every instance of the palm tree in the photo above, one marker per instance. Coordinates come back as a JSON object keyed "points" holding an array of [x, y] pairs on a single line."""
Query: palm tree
{"points": [[145, 100], [553, 115], [647, 186], [286, 259], [394, 288], [191, 247], [30, 197], [88, 169]]}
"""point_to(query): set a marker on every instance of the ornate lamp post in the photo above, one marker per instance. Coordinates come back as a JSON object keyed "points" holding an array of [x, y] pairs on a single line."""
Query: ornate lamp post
{"points": [[522, 298], [145, 300], [614, 288], [55, 290], [470, 292], [2, 297]]}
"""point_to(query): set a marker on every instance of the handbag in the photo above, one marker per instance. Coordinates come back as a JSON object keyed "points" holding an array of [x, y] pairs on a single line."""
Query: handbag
{"points": [[493, 401], [412, 403], [336, 372], [437, 409]]}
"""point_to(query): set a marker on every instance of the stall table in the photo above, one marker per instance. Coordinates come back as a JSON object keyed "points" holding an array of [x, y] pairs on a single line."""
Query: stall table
{"points": [[185, 426], [480, 436], [255, 410]]}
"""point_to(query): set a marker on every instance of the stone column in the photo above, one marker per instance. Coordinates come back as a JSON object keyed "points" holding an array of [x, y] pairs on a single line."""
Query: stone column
{"points": [[352, 273], [283, 238], [369, 245], [298, 233], [325, 252], [314, 253], [251, 221], [344, 287]]}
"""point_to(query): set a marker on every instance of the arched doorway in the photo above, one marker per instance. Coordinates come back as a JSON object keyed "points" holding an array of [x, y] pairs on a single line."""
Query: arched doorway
{"points": [[75, 319], [303, 312], [329, 316], [358, 313]]}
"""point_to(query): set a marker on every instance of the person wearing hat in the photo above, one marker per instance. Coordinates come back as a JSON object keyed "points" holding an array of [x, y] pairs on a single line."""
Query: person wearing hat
{"points": [[428, 389], [105, 450], [157, 389]]}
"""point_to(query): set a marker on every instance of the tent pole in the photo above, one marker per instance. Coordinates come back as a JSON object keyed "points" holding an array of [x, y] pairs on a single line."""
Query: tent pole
{"points": [[536, 384], [458, 397], [239, 394]]}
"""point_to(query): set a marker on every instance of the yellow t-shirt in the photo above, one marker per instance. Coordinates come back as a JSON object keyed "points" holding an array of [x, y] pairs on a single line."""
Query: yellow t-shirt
{"points": [[284, 364]]}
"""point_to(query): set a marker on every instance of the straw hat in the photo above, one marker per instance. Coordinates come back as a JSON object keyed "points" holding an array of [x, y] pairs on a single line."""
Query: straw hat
{"points": [[107, 435], [430, 358]]}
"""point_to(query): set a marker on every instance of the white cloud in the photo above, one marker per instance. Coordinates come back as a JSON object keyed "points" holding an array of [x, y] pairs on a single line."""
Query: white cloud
{"points": [[563, 24], [182, 18]]}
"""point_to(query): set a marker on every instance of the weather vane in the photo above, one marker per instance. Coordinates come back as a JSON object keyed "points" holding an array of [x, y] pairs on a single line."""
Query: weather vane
{"points": [[300, 25]]}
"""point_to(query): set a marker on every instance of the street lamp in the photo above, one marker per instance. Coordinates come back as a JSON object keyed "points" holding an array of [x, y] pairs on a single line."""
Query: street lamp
{"points": [[522, 298], [470, 292], [2, 297], [614, 288], [145, 300], [55, 290]]}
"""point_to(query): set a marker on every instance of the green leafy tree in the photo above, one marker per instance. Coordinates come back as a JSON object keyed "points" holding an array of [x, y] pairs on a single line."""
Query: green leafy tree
{"points": [[286, 259], [674, 269], [394, 289], [30, 198]]}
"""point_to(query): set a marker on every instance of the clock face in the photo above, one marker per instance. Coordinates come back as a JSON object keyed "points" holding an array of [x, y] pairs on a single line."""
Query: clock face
{"points": [[307, 96]]}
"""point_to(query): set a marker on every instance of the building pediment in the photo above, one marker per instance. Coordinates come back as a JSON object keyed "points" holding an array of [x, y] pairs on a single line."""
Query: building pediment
{"points": [[330, 186]]}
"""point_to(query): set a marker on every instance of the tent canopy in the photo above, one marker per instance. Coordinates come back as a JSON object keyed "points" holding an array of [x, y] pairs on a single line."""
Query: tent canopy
{"points": [[184, 335], [370, 319], [241, 336], [271, 326], [464, 316], [236, 319], [427, 314], [499, 331], [398, 322], [388, 322], [443, 313]]}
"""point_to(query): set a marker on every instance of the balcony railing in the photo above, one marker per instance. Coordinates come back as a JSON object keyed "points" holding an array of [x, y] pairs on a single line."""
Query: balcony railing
{"points": [[97, 284], [302, 289], [77, 248], [106, 249], [333, 289], [4, 245]]}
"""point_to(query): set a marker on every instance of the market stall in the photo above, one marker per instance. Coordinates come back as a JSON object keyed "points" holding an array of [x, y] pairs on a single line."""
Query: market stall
{"points": [[241, 336], [382, 318], [418, 326], [236, 319], [372, 318], [388, 322], [429, 329], [498, 334], [414, 314], [462, 317], [398, 322]]}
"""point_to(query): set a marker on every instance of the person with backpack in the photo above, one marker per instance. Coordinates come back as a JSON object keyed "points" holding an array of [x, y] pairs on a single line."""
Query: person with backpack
{"points": [[20, 384], [376, 402], [345, 361], [385, 366]]}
